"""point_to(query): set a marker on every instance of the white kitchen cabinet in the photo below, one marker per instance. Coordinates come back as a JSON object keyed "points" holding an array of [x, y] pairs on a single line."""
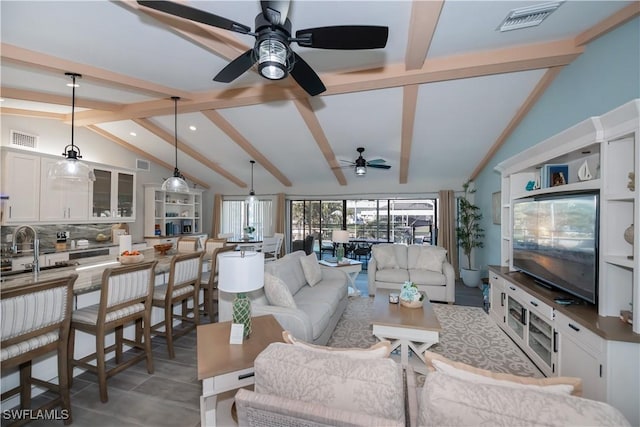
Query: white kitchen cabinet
{"points": [[62, 201], [113, 195], [497, 298], [21, 187]]}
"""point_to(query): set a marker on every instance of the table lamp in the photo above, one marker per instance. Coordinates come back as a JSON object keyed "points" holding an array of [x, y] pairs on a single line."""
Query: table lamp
{"points": [[238, 273], [340, 237]]}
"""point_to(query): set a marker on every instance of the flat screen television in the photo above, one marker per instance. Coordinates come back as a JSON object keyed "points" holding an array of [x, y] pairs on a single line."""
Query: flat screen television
{"points": [[555, 240]]}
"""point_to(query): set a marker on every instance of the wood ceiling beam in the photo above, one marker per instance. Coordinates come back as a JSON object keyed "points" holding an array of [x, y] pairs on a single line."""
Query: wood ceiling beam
{"points": [[409, 103], [49, 98], [310, 118], [32, 113], [53, 64], [608, 24], [217, 119], [422, 27], [170, 139], [519, 58], [522, 112], [111, 137]]}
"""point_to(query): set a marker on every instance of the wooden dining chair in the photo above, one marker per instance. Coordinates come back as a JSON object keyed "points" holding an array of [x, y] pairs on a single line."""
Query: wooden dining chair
{"points": [[209, 283], [183, 284], [125, 299], [188, 244], [35, 322]]}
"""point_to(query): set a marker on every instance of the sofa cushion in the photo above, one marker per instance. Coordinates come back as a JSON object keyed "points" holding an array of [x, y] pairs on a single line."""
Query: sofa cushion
{"points": [[447, 400], [277, 292], [439, 363], [385, 256], [374, 387], [319, 314], [427, 277], [327, 291], [311, 269], [426, 257], [289, 270], [379, 350], [392, 275]]}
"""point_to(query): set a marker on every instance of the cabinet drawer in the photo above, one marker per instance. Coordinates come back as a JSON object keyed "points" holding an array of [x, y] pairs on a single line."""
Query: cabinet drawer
{"points": [[579, 333], [539, 307]]}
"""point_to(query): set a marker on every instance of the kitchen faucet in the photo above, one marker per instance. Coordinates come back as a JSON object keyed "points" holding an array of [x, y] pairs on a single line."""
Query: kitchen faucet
{"points": [[21, 231]]}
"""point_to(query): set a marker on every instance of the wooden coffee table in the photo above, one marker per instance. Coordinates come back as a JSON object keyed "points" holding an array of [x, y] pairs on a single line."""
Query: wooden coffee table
{"points": [[223, 366], [414, 329]]}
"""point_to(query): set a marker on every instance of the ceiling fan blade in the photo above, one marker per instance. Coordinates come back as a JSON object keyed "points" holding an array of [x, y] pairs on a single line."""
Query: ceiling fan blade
{"points": [[376, 166], [344, 37], [235, 68], [376, 161], [275, 11], [306, 77], [196, 15]]}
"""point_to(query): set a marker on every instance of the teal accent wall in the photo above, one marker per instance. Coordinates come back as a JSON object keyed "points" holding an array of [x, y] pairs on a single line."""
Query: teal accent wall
{"points": [[605, 76]]}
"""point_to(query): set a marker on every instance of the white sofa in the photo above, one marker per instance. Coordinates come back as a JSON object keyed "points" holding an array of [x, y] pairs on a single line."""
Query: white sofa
{"points": [[317, 308], [426, 266]]}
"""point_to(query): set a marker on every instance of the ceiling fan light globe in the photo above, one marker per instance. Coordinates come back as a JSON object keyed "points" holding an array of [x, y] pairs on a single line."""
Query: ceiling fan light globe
{"points": [[361, 170], [272, 59]]}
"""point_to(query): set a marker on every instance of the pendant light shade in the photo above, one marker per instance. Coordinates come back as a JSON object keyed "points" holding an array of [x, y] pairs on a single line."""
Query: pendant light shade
{"points": [[176, 183], [71, 168], [251, 198]]}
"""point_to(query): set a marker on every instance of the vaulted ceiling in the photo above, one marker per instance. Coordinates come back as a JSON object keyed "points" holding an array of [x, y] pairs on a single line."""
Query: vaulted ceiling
{"points": [[435, 103]]}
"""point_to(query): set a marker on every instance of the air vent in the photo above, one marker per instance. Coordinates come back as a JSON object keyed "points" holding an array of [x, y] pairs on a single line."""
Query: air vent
{"points": [[529, 16], [142, 165], [23, 140]]}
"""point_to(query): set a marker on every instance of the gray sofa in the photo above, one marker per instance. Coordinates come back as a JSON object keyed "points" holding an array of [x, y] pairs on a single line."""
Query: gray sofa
{"points": [[426, 266], [318, 308]]}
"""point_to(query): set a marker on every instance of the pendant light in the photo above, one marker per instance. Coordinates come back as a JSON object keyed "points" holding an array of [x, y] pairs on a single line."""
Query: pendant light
{"points": [[252, 194], [70, 168], [176, 183]]}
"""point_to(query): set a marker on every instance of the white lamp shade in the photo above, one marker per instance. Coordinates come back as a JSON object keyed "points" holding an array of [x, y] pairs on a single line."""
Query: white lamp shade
{"points": [[240, 272], [340, 236]]}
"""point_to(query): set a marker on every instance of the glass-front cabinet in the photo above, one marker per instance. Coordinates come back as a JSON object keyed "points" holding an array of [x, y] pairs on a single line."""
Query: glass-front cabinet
{"points": [[516, 316], [541, 338], [113, 195]]}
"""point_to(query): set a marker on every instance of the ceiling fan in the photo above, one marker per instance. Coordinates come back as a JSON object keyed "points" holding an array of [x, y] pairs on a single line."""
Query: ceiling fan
{"points": [[272, 49], [361, 164]]}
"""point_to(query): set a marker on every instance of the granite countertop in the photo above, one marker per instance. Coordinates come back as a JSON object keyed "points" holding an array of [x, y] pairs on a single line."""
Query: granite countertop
{"points": [[52, 249]]}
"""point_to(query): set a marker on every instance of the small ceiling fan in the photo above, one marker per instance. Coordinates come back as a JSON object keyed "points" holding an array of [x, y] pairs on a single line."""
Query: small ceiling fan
{"points": [[361, 164], [272, 49]]}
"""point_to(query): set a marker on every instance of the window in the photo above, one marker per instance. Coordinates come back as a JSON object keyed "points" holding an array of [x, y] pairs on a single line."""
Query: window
{"points": [[237, 214]]}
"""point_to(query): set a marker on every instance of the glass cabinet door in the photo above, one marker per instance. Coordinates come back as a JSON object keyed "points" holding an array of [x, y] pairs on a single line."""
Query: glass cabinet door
{"points": [[516, 316], [540, 337], [125, 195], [102, 194]]}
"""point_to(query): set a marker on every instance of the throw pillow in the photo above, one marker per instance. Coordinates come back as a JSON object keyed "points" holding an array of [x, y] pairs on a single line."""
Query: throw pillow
{"points": [[277, 292], [431, 258], [311, 269], [385, 256], [377, 351], [561, 385]]}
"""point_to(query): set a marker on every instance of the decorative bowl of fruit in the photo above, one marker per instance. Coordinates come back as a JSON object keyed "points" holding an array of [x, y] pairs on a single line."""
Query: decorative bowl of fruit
{"points": [[163, 248], [130, 257]]}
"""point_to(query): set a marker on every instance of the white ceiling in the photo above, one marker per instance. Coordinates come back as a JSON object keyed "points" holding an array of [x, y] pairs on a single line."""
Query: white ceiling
{"points": [[133, 61]]}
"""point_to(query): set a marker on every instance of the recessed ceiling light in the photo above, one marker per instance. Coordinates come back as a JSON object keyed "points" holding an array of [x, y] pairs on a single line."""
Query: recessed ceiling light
{"points": [[193, 128], [133, 134]]}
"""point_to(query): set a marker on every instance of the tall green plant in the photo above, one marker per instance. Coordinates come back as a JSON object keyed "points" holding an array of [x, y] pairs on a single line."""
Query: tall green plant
{"points": [[469, 232]]}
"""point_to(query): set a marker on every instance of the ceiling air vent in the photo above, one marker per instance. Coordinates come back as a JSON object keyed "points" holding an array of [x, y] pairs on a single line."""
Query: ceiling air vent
{"points": [[142, 165], [23, 140], [529, 16]]}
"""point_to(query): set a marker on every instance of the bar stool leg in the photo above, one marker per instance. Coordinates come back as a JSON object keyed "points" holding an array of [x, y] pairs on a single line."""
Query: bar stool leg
{"points": [[146, 331], [100, 364], [168, 329], [25, 385], [70, 355], [63, 382], [118, 333]]}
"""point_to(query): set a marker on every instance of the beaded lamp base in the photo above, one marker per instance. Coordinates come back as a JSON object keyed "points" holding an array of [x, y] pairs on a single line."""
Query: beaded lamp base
{"points": [[242, 312], [339, 252]]}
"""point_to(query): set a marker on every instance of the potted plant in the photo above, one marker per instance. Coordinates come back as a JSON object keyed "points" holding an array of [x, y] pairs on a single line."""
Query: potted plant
{"points": [[469, 234], [248, 232]]}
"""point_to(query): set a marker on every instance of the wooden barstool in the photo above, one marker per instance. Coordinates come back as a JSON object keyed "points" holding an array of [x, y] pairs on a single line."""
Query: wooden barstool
{"points": [[35, 322], [184, 284], [125, 298]]}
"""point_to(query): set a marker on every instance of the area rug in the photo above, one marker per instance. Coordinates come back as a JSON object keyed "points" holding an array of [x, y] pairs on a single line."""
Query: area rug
{"points": [[468, 335]]}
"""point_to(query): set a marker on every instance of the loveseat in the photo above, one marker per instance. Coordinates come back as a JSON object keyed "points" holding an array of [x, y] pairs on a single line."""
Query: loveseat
{"points": [[305, 297], [426, 266], [298, 385]]}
